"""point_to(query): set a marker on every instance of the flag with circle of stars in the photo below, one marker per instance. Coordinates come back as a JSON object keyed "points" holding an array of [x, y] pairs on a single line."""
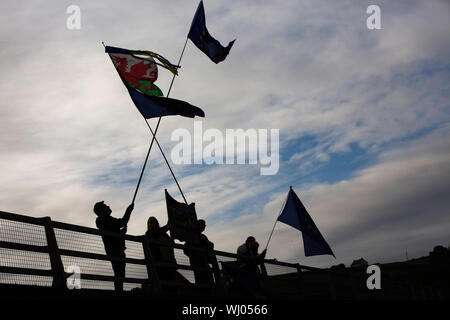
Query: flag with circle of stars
{"points": [[203, 40], [295, 215]]}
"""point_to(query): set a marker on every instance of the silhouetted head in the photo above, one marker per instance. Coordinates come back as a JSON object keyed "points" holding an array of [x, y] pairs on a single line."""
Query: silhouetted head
{"points": [[152, 223], [249, 241], [253, 246], [101, 209], [201, 225]]}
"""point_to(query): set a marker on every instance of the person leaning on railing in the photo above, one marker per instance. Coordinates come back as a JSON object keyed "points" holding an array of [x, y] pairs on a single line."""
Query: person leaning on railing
{"points": [[161, 253], [201, 259], [248, 259], [248, 251], [114, 246]]}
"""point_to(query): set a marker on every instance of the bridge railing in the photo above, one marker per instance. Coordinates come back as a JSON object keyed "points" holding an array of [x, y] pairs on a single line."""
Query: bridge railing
{"points": [[39, 252]]}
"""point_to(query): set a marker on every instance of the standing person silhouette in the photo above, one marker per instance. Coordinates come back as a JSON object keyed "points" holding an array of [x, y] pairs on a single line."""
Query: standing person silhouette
{"points": [[201, 259], [114, 246], [249, 259], [161, 253]]}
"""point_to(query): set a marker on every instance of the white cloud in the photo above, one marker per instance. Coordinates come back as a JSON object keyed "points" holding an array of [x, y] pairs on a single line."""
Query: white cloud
{"points": [[70, 135]]}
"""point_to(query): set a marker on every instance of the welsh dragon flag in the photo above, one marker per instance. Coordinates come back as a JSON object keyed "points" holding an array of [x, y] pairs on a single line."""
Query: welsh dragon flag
{"points": [[138, 71]]}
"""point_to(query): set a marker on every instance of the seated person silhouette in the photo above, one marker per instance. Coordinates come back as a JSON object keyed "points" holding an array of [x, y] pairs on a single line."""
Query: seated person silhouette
{"points": [[161, 253], [114, 246]]}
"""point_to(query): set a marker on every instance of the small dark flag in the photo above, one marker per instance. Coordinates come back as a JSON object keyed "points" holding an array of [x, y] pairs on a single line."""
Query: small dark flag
{"points": [[203, 40], [295, 215], [182, 220]]}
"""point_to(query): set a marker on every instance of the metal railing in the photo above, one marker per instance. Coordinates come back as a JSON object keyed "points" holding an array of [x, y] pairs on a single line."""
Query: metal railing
{"points": [[38, 251]]}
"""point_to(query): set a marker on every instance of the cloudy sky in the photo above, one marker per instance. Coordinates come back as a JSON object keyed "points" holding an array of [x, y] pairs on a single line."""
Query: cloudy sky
{"points": [[363, 117]]}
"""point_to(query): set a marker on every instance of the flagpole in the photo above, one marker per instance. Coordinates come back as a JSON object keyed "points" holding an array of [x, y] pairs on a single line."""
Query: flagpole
{"points": [[282, 207], [156, 130], [167, 162]]}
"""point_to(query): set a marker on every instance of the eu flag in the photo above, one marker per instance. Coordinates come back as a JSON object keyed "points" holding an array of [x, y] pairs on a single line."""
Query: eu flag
{"points": [[295, 215], [203, 40]]}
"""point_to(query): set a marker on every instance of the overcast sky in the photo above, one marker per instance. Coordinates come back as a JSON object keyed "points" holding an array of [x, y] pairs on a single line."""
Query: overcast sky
{"points": [[363, 117]]}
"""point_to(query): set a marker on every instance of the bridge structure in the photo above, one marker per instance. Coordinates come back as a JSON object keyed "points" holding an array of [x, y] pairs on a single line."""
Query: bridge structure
{"points": [[40, 252], [37, 256]]}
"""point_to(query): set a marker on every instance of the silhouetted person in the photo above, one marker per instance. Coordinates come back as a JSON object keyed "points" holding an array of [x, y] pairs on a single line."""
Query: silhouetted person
{"points": [[114, 246], [161, 253], [201, 259], [249, 249], [249, 259], [440, 256]]}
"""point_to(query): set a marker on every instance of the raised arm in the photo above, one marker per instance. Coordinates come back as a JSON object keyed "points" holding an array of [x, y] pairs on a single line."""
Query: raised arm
{"points": [[164, 229], [126, 216]]}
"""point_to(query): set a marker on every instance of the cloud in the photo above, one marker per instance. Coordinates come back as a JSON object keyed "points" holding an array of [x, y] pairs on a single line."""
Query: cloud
{"points": [[395, 205], [70, 135]]}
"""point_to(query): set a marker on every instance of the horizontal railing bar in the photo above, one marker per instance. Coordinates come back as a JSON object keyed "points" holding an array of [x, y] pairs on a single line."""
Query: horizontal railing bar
{"points": [[97, 232], [82, 229], [225, 254], [180, 266], [290, 265], [23, 247], [97, 256], [98, 277], [267, 261], [20, 218], [190, 285], [26, 271], [177, 245]]}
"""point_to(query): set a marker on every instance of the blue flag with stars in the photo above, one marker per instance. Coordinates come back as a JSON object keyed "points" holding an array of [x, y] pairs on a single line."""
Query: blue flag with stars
{"points": [[203, 40], [295, 215]]}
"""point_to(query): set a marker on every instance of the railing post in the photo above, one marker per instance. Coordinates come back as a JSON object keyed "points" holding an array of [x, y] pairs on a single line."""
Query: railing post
{"points": [[265, 277], [151, 268], [331, 286], [216, 271], [299, 280], [59, 276]]}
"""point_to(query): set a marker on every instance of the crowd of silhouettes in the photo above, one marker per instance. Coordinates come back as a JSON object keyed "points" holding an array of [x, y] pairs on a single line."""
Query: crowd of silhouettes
{"points": [[199, 250]]}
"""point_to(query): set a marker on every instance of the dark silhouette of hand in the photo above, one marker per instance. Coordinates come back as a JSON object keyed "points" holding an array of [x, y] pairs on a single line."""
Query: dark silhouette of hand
{"points": [[263, 254], [130, 208]]}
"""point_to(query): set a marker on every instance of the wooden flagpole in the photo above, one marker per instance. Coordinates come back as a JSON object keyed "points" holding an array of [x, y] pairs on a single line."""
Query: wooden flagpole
{"points": [[282, 207]]}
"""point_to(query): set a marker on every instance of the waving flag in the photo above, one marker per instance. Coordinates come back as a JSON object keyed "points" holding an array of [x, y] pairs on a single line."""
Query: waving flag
{"points": [[295, 215], [153, 106], [138, 71], [203, 40], [182, 219]]}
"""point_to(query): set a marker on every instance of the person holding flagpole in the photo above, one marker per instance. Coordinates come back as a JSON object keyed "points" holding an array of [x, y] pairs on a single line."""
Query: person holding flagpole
{"points": [[114, 246], [249, 274]]}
